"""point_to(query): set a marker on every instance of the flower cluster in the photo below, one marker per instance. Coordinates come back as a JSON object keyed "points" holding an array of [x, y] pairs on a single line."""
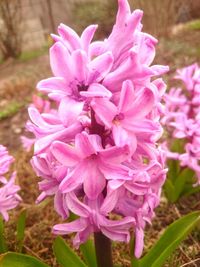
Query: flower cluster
{"points": [[182, 117], [9, 198], [97, 152]]}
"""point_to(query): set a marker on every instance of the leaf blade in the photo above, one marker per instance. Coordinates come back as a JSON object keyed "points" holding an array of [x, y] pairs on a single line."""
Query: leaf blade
{"points": [[21, 223], [3, 246], [20, 260], [65, 255], [170, 240], [88, 251]]}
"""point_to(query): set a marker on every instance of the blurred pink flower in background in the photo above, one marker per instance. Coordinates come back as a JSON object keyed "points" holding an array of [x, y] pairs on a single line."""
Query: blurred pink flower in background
{"points": [[9, 198], [182, 117]]}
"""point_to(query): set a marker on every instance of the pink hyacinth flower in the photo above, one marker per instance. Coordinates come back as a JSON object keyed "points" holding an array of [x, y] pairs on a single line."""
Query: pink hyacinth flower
{"points": [[97, 153], [9, 198], [182, 117]]}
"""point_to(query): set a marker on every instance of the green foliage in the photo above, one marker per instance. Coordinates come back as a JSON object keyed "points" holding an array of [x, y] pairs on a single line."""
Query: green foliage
{"points": [[88, 252], [3, 246], [10, 110], [65, 255], [28, 55], [193, 25], [11, 259], [169, 241], [21, 230], [178, 184]]}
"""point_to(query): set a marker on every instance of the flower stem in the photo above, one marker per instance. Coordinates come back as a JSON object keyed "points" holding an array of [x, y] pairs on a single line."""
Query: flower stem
{"points": [[103, 250]]}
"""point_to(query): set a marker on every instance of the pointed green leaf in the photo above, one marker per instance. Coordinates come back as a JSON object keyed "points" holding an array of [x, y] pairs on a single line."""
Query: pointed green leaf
{"points": [[180, 182], [174, 169], [20, 230], [170, 240], [65, 256], [88, 251], [11, 259], [3, 246], [169, 190]]}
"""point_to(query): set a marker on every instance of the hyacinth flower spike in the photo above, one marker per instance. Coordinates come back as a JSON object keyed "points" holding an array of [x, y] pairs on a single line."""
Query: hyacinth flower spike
{"points": [[97, 152]]}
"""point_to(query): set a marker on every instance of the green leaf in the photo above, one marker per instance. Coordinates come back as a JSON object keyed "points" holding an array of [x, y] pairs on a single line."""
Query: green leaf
{"points": [[65, 256], [3, 246], [174, 169], [169, 190], [88, 251], [178, 145], [11, 259], [190, 189], [134, 261], [180, 182], [170, 240], [21, 230]]}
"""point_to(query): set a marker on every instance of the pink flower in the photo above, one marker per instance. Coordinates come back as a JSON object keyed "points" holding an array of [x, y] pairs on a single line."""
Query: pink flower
{"points": [[92, 219], [182, 118], [9, 198], [127, 117], [5, 162], [97, 153], [88, 157]]}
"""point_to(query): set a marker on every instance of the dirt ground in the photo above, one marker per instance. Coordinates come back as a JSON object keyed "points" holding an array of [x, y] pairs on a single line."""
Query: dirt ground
{"points": [[17, 85]]}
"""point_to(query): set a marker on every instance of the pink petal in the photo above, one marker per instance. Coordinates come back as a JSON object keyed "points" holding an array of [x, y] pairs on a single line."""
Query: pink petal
{"points": [[87, 36], [96, 48], [36, 117], [122, 236], [96, 90], [82, 236], [95, 181], [76, 206], [139, 242], [120, 135], [105, 111], [116, 184], [114, 172], [100, 67], [142, 105], [109, 202], [60, 61], [87, 145], [137, 189], [115, 154], [127, 96], [59, 203], [67, 228], [123, 12], [160, 69], [65, 154], [130, 69], [79, 61], [70, 36], [69, 110], [74, 179], [52, 84]]}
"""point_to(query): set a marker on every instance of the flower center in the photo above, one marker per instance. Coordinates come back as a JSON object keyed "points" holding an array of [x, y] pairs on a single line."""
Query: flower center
{"points": [[82, 87], [119, 117]]}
